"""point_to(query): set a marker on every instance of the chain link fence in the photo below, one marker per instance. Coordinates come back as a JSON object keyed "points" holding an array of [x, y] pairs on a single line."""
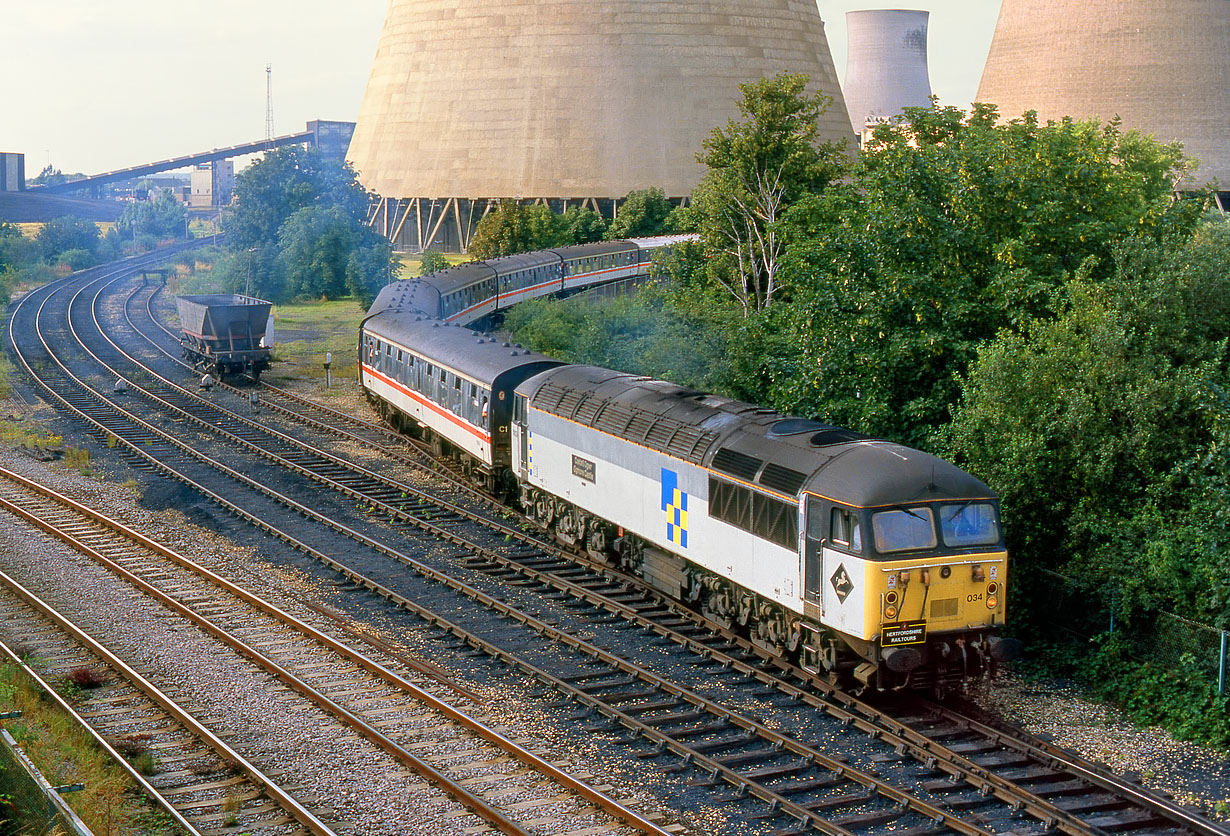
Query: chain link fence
{"points": [[34, 807], [1167, 640]]}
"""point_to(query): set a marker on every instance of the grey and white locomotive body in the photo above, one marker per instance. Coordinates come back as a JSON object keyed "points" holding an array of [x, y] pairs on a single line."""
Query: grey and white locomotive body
{"points": [[636, 453], [856, 554]]}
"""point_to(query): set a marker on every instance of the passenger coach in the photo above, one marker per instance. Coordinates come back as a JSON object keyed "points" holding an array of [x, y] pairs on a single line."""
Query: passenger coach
{"points": [[446, 384]]}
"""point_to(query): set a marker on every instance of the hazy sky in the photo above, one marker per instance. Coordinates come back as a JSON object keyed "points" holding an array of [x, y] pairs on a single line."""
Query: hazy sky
{"points": [[93, 86]]}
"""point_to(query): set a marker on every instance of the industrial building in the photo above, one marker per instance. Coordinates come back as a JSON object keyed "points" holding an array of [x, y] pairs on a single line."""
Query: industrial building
{"points": [[1163, 66], [213, 183], [12, 172], [570, 102], [886, 66]]}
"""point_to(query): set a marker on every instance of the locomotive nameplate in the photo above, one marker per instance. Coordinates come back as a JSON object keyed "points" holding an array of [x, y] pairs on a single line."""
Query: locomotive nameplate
{"points": [[583, 469], [906, 632]]}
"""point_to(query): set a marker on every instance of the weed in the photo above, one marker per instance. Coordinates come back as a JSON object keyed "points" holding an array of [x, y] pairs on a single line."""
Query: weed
{"points": [[77, 458], [230, 804], [84, 677], [145, 763], [133, 745]]}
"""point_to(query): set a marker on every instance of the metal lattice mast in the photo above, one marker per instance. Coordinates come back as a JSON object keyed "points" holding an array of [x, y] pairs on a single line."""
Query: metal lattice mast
{"points": [[269, 102]]}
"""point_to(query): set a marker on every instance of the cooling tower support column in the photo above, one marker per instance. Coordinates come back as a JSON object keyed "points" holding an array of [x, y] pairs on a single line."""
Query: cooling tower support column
{"points": [[886, 66], [1161, 65]]}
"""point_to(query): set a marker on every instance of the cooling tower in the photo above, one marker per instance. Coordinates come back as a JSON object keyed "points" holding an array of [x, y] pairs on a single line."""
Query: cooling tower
{"points": [[1161, 65], [886, 67], [474, 100]]}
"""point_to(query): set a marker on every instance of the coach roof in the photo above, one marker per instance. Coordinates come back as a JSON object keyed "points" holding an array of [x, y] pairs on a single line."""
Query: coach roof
{"points": [[454, 347]]}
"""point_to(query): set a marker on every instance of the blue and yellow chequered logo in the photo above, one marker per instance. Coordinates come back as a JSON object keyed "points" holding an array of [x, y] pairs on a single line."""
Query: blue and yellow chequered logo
{"points": [[529, 446], [675, 504]]}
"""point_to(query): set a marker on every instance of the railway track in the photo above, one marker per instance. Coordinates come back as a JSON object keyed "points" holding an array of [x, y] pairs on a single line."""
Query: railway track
{"points": [[203, 783], [369, 698], [741, 754]]}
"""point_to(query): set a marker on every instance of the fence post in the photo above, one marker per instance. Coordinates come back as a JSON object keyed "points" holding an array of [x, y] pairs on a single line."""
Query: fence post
{"points": [[1221, 666]]}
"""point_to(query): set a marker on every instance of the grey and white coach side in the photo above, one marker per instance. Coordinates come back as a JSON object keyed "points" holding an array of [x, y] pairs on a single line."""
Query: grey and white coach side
{"points": [[446, 382]]}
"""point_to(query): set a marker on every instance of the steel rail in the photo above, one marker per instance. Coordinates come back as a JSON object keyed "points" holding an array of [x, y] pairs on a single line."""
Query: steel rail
{"points": [[849, 709], [300, 813], [1058, 757], [869, 719], [404, 449], [365, 662], [133, 774], [779, 802], [150, 429]]}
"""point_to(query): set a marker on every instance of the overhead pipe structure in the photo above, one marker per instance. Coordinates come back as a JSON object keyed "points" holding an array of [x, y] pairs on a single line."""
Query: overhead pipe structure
{"points": [[570, 102], [1163, 66], [886, 66]]}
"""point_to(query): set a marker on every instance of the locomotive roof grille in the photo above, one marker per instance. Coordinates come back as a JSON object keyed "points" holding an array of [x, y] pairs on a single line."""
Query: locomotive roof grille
{"points": [[734, 463], [658, 432], [783, 479]]}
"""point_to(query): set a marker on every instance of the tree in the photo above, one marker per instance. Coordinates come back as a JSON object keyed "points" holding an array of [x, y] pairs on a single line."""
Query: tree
{"points": [[642, 213], [162, 217], [757, 169], [1106, 428], [16, 250], [284, 181], [950, 229], [431, 262], [513, 228], [326, 253], [584, 226], [67, 233], [298, 229]]}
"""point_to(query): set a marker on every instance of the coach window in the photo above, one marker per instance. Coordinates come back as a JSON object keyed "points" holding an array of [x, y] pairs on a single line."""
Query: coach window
{"points": [[483, 416]]}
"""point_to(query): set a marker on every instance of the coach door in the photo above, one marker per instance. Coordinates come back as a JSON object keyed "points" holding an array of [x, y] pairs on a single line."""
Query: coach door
{"points": [[520, 408]]}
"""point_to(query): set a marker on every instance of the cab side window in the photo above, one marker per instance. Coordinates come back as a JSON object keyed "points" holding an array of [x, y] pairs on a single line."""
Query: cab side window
{"points": [[844, 530]]}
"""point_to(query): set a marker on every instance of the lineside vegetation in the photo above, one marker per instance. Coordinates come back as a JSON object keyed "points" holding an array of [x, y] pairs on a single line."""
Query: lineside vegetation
{"points": [[1028, 300]]}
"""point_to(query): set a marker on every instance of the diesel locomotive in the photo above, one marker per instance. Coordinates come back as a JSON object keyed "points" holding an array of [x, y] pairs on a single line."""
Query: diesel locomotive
{"points": [[859, 558]]}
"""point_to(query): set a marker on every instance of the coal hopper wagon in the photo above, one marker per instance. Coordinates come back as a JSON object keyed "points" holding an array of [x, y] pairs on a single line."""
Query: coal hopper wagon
{"points": [[225, 333]]}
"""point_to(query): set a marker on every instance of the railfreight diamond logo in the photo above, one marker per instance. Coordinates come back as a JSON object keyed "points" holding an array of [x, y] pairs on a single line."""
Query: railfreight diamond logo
{"points": [[841, 582], [675, 504]]}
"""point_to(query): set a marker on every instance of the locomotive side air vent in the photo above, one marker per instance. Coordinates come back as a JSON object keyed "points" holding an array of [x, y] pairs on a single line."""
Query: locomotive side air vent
{"points": [[836, 435], [783, 479], [736, 464]]}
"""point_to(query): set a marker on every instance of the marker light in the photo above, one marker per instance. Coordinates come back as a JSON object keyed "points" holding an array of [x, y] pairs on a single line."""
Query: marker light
{"points": [[992, 588], [890, 612], [992, 602]]}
